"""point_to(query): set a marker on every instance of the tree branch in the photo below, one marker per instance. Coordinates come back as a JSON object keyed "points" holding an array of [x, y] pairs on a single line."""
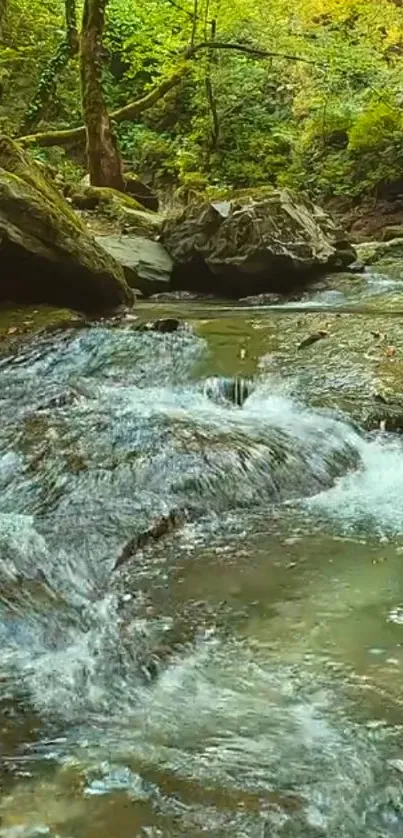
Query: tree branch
{"points": [[128, 112], [183, 10], [135, 109], [254, 52]]}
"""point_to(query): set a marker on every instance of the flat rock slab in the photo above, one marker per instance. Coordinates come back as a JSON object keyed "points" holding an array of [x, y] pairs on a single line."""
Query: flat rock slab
{"points": [[146, 264]]}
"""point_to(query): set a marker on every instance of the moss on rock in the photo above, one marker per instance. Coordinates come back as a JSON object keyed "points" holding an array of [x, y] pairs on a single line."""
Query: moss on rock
{"points": [[17, 322], [46, 254], [119, 207]]}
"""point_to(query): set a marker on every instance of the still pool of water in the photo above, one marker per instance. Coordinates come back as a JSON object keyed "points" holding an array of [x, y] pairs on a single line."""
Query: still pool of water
{"points": [[239, 677]]}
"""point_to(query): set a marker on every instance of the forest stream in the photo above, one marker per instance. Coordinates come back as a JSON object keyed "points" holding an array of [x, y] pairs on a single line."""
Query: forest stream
{"points": [[242, 675]]}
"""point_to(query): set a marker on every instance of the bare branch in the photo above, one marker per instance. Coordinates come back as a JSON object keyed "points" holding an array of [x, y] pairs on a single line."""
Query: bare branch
{"points": [[128, 112], [135, 109], [254, 52]]}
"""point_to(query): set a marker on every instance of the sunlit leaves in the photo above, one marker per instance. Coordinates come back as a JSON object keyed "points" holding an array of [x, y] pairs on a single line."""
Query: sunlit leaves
{"points": [[279, 120]]}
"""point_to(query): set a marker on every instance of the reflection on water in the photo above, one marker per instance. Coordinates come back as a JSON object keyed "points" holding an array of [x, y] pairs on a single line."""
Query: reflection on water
{"points": [[239, 677]]}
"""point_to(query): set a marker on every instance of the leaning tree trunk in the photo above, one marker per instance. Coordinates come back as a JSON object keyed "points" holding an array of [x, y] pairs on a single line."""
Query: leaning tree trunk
{"points": [[104, 162], [66, 50]]}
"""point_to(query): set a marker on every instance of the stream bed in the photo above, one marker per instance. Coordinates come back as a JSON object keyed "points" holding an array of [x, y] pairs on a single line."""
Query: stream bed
{"points": [[242, 675]]}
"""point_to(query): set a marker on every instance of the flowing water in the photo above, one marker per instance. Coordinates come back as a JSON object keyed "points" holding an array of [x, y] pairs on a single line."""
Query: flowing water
{"points": [[240, 676]]}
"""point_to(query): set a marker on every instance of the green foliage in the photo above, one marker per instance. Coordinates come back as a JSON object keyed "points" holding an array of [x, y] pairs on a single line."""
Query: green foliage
{"points": [[376, 127], [145, 150], [332, 125], [58, 161]]}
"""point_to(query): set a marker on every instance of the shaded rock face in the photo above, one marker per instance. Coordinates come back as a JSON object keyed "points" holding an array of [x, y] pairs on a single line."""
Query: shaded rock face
{"points": [[141, 193], [46, 255], [146, 264], [252, 245], [138, 190]]}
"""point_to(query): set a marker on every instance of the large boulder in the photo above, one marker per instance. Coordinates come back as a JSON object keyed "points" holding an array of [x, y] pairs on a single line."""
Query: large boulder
{"points": [[46, 255], [250, 244], [146, 264]]}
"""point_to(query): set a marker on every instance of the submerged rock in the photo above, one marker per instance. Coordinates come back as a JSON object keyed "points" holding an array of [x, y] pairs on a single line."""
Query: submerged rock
{"points": [[357, 369], [17, 322], [161, 526], [249, 245], [146, 264], [46, 255], [308, 341], [165, 325], [63, 399]]}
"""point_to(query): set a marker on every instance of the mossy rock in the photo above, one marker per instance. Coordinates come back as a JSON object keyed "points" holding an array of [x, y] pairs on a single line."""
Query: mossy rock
{"points": [[18, 322], [46, 254], [117, 206], [372, 253], [392, 232], [141, 223], [94, 197]]}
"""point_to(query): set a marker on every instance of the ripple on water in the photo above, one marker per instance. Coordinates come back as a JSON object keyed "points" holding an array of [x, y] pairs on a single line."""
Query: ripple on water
{"points": [[246, 730]]}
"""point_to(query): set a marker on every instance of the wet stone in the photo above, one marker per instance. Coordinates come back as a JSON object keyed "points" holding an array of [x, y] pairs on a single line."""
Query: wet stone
{"points": [[164, 325]]}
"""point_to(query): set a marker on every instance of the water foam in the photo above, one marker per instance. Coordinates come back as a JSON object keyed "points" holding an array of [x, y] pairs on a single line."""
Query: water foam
{"points": [[369, 499]]}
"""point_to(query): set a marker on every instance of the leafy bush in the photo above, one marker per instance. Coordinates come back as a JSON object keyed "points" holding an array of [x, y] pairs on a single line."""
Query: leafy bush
{"points": [[378, 126]]}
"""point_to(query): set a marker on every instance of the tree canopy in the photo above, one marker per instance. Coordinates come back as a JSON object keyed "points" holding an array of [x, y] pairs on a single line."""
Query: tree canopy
{"points": [[306, 93]]}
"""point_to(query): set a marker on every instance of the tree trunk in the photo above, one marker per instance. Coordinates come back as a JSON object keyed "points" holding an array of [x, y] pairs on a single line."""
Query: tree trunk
{"points": [[3, 7], [66, 50], [104, 162]]}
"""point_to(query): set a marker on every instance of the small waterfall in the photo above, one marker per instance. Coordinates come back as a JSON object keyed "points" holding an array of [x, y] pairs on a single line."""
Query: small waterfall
{"points": [[82, 477], [232, 390]]}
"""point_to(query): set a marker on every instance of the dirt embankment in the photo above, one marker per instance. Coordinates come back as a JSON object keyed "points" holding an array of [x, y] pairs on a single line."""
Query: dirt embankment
{"points": [[373, 219]]}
